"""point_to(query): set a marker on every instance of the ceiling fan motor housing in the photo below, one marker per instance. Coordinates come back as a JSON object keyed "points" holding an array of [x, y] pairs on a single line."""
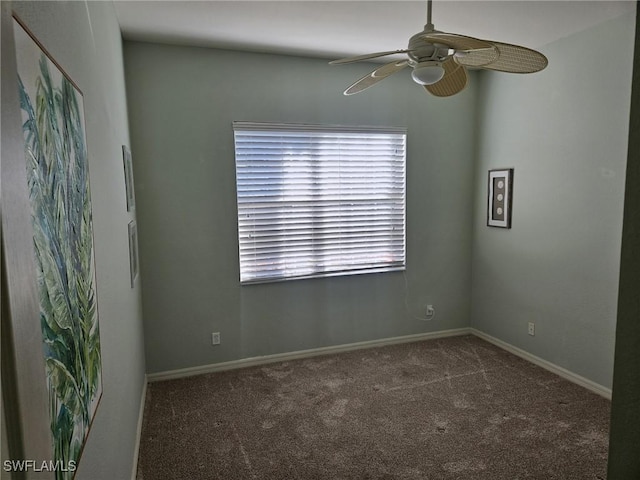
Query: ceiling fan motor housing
{"points": [[421, 50]]}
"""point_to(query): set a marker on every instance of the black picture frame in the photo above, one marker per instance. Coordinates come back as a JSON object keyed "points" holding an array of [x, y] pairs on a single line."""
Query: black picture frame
{"points": [[500, 197], [133, 251], [128, 178]]}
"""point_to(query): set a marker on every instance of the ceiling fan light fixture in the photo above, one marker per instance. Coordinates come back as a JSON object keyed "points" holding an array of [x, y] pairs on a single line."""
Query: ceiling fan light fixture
{"points": [[427, 73]]}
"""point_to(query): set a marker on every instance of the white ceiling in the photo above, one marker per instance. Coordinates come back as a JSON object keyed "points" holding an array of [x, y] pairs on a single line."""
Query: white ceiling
{"points": [[334, 29]]}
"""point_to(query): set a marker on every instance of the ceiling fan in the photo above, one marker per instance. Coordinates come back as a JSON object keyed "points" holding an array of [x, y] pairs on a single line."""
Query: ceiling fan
{"points": [[440, 60]]}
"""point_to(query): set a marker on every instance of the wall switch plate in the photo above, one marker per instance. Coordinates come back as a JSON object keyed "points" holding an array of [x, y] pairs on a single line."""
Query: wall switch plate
{"points": [[215, 338], [531, 329]]}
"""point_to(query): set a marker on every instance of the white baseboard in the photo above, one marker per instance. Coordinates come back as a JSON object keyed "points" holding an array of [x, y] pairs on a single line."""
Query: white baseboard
{"points": [[562, 372], [313, 352], [143, 398]]}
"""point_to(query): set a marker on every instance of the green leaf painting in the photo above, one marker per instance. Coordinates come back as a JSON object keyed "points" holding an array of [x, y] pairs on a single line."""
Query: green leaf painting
{"points": [[58, 182]]}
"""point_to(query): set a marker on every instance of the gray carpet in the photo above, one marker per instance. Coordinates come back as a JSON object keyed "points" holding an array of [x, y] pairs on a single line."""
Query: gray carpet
{"points": [[454, 408]]}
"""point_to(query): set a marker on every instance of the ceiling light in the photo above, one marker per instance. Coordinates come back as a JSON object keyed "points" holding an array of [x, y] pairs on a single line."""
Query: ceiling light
{"points": [[427, 73]]}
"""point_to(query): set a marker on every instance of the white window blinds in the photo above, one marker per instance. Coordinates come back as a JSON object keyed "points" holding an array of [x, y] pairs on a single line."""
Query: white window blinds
{"points": [[318, 201]]}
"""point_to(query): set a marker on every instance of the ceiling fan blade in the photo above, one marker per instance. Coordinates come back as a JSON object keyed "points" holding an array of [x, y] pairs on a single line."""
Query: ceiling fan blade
{"points": [[457, 42], [389, 68], [374, 77], [454, 80], [365, 57], [516, 59], [477, 58]]}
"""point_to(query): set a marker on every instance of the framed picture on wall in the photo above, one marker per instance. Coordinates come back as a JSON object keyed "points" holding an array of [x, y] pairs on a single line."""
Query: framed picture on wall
{"points": [[128, 178], [57, 166], [500, 198], [133, 251]]}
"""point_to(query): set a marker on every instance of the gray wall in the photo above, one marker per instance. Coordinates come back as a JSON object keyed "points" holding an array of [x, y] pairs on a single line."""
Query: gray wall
{"points": [[84, 38], [624, 461], [182, 101], [564, 130]]}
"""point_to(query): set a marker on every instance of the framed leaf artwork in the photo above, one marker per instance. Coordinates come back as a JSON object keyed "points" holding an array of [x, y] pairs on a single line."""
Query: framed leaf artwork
{"points": [[55, 147]]}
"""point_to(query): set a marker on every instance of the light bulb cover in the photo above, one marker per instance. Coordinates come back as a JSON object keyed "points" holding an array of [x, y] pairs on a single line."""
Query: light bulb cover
{"points": [[427, 73]]}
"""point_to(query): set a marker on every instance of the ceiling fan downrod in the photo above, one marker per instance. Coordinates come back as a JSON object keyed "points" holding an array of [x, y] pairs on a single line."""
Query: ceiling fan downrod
{"points": [[429, 26]]}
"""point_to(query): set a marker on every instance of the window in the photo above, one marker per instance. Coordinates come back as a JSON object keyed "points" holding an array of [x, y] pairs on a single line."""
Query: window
{"points": [[319, 200]]}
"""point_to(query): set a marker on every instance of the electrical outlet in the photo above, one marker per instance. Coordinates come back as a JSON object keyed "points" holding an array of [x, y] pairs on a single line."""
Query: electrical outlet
{"points": [[215, 338], [531, 329], [430, 311]]}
